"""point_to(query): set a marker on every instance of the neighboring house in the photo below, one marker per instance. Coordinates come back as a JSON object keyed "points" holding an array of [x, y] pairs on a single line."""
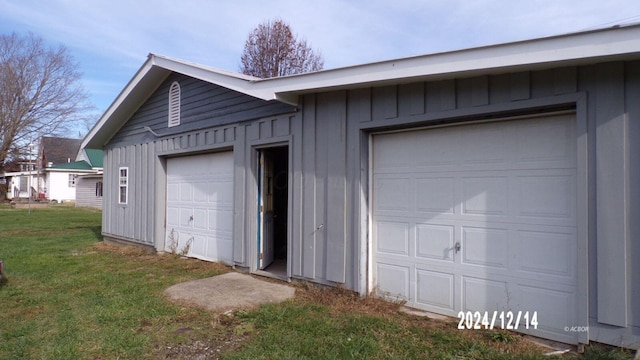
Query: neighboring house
{"points": [[19, 182], [53, 174], [58, 172], [89, 186], [499, 178], [62, 180]]}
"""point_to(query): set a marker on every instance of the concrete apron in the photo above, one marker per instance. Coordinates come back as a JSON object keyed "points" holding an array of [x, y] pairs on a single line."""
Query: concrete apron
{"points": [[229, 291]]}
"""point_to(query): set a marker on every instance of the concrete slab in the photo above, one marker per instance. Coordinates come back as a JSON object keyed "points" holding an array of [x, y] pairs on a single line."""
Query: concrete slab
{"points": [[230, 291], [428, 314]]}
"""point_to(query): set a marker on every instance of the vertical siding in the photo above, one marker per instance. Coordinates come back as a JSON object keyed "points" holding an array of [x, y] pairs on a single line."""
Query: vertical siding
{"points": [[333, 139], [309, 212], [611, 195], [329, 166], [632, 106], [136, 220], [612, 122], [297, 197], [240, 199]]}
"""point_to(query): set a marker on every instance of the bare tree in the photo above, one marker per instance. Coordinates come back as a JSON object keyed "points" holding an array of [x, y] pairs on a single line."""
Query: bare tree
{"points": [[272, 50], [40, 93]]}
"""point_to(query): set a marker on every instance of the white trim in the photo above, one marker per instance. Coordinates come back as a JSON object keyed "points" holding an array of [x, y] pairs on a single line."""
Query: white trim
{"points": [[72, 180], [367, 247], [174, 105], [125, 185]]}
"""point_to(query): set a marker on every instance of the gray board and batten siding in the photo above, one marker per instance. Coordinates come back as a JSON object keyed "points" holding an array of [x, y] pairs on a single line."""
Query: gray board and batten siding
{"points": [[328, 137]]}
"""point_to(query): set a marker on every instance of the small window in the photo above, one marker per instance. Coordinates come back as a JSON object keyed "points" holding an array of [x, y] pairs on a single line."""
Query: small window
{"points": [[72, 180], [99, 189], [123, 185], [174, 104]]}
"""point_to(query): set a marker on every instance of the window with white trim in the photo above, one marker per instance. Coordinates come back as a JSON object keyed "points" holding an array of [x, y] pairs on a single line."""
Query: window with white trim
{"points": [[72, 180], [174, 104], [123, 185]]}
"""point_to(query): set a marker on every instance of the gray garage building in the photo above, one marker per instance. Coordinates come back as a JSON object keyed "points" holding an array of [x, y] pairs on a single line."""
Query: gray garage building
{"points": [[499, 178]]}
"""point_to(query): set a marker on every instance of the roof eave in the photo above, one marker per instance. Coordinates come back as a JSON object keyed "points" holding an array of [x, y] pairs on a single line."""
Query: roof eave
{"points": [[125, 103], [618, 43]]}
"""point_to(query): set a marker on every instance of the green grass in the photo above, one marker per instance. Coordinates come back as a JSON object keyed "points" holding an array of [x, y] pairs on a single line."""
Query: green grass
{"points": [[66, 295], [64, 298]]}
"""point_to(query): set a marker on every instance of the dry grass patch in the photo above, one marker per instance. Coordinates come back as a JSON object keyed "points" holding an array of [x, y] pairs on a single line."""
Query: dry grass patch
{"points": [[341, 301]]}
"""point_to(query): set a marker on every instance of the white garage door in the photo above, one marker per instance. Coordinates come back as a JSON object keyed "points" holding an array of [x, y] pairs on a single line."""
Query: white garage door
{"points": [[479, 218], [200, 206]]}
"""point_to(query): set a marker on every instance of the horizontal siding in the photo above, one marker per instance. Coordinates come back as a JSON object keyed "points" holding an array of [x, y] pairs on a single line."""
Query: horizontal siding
{"points": [[203, 105], [86, 193]]}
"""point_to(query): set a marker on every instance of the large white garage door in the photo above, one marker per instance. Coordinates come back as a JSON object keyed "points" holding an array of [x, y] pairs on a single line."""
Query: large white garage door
{"points": [[479, 218], [200, 206]]}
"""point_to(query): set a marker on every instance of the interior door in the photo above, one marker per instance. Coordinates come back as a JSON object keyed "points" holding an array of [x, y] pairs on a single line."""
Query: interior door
{"points": [[266, 210]]}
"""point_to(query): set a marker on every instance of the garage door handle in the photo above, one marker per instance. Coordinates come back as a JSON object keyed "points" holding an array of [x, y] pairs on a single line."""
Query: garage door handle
{"points": [[457, 247]]}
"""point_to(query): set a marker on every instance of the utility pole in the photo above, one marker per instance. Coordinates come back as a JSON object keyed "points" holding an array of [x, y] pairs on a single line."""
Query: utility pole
{"points": [[30, 173]]}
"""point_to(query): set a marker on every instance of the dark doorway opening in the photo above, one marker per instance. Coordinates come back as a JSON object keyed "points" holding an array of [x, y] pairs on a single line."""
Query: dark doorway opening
{"points": [[273, 207]]}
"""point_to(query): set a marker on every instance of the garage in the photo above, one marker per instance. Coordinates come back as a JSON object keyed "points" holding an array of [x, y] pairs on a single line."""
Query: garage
{"points": [[479, 217], [200, 206]]}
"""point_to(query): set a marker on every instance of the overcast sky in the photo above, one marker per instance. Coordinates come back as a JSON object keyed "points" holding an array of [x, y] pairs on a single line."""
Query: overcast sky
{"points": [[111, 38]]}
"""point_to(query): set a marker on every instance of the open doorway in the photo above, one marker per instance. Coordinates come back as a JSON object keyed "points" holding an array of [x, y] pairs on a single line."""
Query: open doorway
{"points": [[273, 195]]}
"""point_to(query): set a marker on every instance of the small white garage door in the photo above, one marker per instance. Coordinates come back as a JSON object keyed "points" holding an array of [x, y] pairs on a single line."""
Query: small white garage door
{"points": [[479, 217], [200, 206]]}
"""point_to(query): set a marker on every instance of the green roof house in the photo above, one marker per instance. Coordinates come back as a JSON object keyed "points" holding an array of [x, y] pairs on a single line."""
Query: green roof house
{"points": [[61, 180], [88, 185]]}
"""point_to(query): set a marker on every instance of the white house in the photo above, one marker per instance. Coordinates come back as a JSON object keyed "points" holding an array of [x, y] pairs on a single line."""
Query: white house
{"points": [[53, 176]]}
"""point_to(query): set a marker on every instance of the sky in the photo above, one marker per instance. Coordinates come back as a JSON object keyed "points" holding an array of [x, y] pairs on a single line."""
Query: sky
{"points": [[110, 39]]}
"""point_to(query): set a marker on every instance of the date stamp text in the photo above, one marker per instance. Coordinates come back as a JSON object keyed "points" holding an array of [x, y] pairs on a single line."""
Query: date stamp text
{"points": [[506, 320]]}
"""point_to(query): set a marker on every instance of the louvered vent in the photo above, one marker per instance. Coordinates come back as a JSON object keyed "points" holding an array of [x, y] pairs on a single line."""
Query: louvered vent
{"points": [[174, 104]]}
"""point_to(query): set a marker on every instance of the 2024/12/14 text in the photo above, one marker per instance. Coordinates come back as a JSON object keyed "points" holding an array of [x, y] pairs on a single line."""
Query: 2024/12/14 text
{"points": [[499, 319]]}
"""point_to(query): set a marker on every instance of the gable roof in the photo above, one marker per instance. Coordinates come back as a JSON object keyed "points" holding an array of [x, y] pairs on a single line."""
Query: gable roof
{"points": [[58, 150], [616, 43], [94, 157]]}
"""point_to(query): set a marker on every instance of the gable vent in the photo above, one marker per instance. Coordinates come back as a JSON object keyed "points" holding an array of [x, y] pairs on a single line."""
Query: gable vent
{"points": [[174, 104]]}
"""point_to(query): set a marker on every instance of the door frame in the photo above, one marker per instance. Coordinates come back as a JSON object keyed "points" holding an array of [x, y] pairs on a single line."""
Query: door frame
{"points": [[254, 199]]}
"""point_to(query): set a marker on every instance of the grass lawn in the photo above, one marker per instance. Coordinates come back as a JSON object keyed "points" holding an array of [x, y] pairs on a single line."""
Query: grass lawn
{"points": [[66, 295]]}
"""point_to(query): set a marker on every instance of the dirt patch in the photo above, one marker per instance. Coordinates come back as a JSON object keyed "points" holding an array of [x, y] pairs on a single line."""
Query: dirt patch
{"points": [[199, 349], [202, 336]]}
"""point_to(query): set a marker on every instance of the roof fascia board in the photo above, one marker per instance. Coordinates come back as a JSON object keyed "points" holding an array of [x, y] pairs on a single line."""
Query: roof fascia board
{"points": [[20, 173], [571, 49], [232, 81], [117, 106], [63, 170]]}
